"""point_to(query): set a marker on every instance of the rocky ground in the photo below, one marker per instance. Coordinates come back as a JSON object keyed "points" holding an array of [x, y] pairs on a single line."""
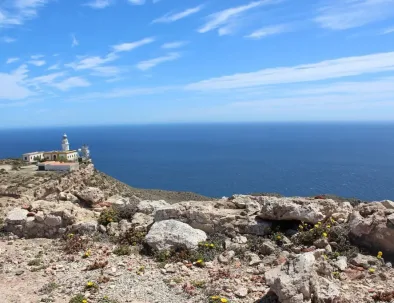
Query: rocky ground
{"points": [[84, 237]]}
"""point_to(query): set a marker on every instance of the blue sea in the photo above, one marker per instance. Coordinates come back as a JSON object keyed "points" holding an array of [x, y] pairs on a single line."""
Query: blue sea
{"points": [[350, 160]]}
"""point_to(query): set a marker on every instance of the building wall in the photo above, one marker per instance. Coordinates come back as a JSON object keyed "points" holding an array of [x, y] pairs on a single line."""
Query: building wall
{"points": [[57, 156], [65, 167], [31, 156]]}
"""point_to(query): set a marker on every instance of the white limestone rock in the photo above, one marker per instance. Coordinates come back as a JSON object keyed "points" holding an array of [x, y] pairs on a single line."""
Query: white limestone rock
{"points": [[171, 234]]}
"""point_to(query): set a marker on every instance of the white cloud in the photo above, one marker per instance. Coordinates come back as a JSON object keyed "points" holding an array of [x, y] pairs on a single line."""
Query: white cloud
{"points": [[12, 60], [16, 12], [12, 84], [37, 62], [71, 83], [137, 2], [329, 69], [7, 39], [106, 71], [268, 31], [126, 47], [47, 79], [148, 64], [54, 66], [387, 31], [172, 17], [36, 57], [341, 14], [92, 62], [223, 19], [175, 44], [99, 4], [74, 41]]}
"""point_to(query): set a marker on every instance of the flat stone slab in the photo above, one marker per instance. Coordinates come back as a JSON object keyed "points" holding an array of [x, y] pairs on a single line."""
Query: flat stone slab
{"points": [[16, 216]]}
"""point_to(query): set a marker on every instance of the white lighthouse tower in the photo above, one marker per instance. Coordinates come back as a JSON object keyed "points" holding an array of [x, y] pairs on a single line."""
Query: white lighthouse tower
{"points": [[65, 144]]}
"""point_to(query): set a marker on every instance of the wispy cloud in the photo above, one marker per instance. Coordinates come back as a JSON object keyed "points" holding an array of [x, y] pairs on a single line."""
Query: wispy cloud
{"points": [[106, 71], [148, 64], [172, 17], [46, 79], [91, 62], [222, 20], [387, 31], [99, 4], [341, 15], [54, 67], [268, 31], [126, 47], [71, 83], [37, 62], [330, 69], [74, 41], [12, 60], [137, 2], [175, 44], [36, 57], [12, 87], [7, 39], [16, 12]]}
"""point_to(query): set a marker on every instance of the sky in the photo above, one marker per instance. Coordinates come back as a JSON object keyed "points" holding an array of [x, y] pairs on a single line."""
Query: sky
{"points": [[101, 62]]}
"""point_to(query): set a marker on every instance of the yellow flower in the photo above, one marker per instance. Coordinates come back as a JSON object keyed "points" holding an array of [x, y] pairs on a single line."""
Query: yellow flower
{"points": [[84, 301], [325, 235], [316, 225], [212, 245], [328, 226], [371, 270], [223, 300], [278, 237], [199, 261], [89, 284], [215, 297], [332, 220], [300, 227], [70, 235], [206, 244]]}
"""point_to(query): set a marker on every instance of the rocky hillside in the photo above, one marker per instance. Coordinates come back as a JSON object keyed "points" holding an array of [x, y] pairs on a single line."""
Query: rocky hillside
{"points": [[84, 237]]}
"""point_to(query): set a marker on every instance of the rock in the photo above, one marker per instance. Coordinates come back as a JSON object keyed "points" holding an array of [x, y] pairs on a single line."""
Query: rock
{"points": [[172, 234], [320, 243], [142, 221], [102, 229], [254, 259], [298, 281], [84, 228], [388, 204], [246, 202], [149, 207], [118, 200], [241, 292], [364, 261], [302, 209], [53, 221], [226, 257], [240, 240], [92, 195], [373, 228], [170, 268], [16, 216], [268, 248], [62, 196]]}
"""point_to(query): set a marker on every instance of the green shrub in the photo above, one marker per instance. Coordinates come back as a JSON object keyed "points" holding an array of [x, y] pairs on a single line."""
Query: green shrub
{"points": [[132, 237], [108, 215], [79, 298], [75, 243], [122, 250]]}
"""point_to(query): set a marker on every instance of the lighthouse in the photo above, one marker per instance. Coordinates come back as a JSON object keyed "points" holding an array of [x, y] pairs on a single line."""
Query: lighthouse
{"points": [[65, 144]]}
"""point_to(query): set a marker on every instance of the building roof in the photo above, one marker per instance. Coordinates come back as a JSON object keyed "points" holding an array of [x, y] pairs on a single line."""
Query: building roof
{"points": [[33, 153], [60, 152]]}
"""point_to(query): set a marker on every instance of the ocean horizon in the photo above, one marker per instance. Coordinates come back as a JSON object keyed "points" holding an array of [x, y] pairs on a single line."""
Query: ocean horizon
{"points": [[349, 159]]}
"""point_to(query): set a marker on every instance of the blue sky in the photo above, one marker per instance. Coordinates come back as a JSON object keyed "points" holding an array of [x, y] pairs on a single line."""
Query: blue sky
{"points": [[77, 62]]}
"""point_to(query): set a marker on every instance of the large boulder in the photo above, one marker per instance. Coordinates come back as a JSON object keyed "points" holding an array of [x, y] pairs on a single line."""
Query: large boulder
{"points": [[149, 207], [91, 195], [302, 280], [172, 234], [302, 209], [372, 226]]}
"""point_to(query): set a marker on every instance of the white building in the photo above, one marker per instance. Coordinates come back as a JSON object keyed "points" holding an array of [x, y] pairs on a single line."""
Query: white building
{"points": [[32, 157], [63, 155], [58, 166]]}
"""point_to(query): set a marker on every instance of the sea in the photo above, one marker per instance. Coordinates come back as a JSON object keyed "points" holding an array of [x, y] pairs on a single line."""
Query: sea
{"points": [[293, 159]]}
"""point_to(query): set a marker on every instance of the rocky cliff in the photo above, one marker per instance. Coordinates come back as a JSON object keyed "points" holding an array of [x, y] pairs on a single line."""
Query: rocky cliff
{"points": [[86, 237]]}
